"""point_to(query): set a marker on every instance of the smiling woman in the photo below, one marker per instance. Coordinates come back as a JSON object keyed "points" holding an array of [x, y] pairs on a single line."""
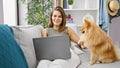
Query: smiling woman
{"points": [[57, 18]]}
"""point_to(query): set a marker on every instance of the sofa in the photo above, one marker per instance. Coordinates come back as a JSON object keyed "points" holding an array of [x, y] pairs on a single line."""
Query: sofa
{"points": [[17, 49], [22, 36]]}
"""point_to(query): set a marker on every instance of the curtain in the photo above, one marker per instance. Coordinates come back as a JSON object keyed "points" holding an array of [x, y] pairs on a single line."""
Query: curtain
{"points": [[104, 18], [119, 9]]}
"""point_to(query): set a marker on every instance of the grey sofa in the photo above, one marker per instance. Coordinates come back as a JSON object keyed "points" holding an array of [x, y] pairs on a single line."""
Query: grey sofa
{"points": [[24, 35], [85, 62]]}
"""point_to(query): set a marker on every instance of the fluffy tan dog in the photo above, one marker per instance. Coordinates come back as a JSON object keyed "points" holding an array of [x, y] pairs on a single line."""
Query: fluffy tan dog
{"points": [[96, 40]]}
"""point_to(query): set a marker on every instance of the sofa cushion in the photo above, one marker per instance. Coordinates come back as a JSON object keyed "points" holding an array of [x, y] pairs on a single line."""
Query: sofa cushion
{"points": [[11, 55], [24, 35]]}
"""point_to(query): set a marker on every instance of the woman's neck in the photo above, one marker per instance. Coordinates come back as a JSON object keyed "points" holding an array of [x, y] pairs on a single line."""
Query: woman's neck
{"points": [[56, 27]]}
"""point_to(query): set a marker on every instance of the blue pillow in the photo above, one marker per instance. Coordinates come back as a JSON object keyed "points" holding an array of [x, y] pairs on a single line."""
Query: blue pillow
{"points": [[11, 55]]}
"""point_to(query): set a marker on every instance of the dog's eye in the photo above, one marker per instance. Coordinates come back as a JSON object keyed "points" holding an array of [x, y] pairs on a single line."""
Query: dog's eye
{"points": [[83, 32]]}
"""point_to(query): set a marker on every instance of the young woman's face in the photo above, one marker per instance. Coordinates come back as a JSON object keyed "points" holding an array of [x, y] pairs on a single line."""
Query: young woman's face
{"points": [[56, 18]]}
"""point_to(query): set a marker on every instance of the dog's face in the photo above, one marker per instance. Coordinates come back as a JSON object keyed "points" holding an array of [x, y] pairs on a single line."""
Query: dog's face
{"points": [[86, 26], [86, 31], [89, 32]]}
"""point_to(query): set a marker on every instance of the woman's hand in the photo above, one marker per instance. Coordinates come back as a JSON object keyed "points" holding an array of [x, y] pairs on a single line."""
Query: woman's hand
{"points": [[81, 43]]}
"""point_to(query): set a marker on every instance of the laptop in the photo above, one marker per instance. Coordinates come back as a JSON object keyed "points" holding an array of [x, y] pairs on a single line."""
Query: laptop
{"points": [[51, 48]]}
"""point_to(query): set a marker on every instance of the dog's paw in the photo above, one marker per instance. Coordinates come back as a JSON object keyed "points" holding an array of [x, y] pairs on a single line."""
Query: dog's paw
{"points": [[91, 63], [99, 61]]}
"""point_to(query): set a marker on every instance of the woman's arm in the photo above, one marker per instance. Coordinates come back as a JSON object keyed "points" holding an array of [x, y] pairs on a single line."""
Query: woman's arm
{"points": [[44, 33], [74, 37]]}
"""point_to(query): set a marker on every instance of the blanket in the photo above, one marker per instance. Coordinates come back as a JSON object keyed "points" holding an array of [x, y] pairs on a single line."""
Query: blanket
{"points": [[11, 55], [73, 62]]}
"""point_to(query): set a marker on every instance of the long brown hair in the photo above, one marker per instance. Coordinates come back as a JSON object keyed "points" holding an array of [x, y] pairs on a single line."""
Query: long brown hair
{"points": [[63, 24]]}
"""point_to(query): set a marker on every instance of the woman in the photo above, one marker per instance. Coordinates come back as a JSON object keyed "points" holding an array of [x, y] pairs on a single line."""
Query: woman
{"points": [[57, 26]]}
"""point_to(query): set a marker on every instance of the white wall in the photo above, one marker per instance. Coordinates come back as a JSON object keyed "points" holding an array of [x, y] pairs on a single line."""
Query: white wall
{"points": [[22, 14], [1, 11], [10, 12]]}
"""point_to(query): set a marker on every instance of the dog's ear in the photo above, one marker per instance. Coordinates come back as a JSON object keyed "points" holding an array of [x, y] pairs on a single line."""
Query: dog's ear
{"points": [[87, 22]]}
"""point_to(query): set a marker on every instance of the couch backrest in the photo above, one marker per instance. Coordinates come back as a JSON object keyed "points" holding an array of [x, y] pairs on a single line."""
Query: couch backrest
{"points": [[114, 30], [24, 36]]}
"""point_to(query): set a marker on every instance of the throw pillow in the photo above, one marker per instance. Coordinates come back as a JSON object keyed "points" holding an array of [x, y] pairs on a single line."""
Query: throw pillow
{"points": [[24, 36], [11, 55]]}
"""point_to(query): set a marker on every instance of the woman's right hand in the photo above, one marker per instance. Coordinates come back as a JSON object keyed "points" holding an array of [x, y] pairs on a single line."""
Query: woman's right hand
{"points": [[81, 43]]}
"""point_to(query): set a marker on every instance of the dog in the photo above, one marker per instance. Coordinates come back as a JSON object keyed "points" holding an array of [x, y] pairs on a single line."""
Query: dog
{"points": [[98, 42]]}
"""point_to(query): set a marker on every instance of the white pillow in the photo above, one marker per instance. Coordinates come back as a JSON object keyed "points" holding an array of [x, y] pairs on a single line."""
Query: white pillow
{"points": [[24, 36]]}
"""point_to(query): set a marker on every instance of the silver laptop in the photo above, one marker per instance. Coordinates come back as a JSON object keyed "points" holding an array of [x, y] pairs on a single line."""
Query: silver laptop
{"points": [[51, 48]]}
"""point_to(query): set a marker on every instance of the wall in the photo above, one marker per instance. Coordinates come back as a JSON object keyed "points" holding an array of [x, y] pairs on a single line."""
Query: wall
{"points": [[1, 11], [22, 14], [10, 12]]}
